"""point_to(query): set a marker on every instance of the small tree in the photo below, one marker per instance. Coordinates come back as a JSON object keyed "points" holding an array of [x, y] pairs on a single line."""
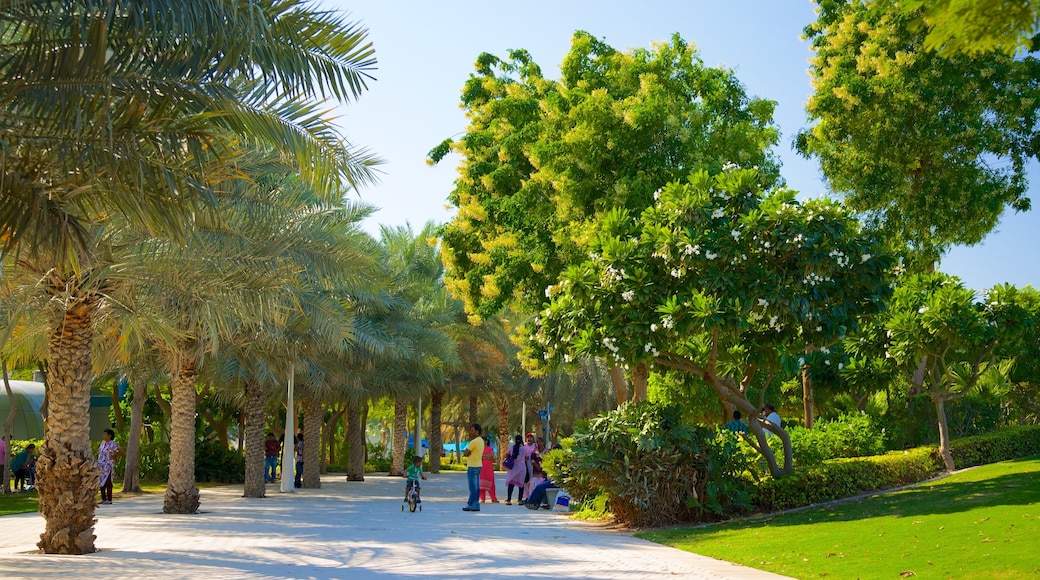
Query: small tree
{"points": [[720, 279], [936, 319]]}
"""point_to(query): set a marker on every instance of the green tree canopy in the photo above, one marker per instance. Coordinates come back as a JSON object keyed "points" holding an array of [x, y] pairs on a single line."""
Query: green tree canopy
{"points": [[543, 160], [932, 149], [721, 278]]}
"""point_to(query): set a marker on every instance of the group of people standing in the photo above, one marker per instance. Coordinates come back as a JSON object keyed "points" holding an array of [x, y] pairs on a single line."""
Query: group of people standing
{"points": [[523, 463], [272, 457]]}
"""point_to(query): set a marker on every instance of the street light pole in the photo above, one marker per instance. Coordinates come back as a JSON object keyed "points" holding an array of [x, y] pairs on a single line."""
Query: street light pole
{"points": [[289, 444]]}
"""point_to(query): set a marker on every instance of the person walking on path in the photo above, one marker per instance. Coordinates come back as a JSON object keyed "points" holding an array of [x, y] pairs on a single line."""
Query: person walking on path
{"points": [[517, 475], [532, 458], [474, 461], [271, 451], [487, 473], [108, 454], [299, 461]]}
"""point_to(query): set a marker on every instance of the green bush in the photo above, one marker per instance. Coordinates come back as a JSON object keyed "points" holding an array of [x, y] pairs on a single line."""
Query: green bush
{"points": [[213, 462], [653, 468], [839, 478], [1000, 445], [856, 435]]}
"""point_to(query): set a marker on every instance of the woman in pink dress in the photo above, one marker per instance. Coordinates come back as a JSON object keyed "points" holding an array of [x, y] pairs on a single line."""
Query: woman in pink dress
{"points": [[109, 453], [519, 473], [533, 460], [487, 473]]}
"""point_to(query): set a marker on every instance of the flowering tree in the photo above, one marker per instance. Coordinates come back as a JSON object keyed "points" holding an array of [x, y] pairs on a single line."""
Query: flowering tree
{"points": [[936, 319], [719, 278], [544, 159]]}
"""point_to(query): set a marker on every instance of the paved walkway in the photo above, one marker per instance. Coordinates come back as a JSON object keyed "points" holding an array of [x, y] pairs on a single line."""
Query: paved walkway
{"points": [[348, 530]]}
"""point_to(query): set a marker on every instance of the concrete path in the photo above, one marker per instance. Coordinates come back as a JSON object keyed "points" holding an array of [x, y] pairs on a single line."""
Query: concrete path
{"points": [[349, 530]]}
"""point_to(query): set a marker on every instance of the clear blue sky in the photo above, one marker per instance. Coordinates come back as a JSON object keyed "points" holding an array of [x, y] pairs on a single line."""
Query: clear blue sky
{"points": [[426, 51]]}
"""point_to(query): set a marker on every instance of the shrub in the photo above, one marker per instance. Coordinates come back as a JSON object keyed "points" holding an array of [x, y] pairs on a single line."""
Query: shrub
{"points": [[1000, 445], [213, 462], [839, 478], [856, 435], [653, 468]]}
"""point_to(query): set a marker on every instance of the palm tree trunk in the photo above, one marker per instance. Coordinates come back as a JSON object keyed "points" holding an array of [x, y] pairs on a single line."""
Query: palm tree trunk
{"points": [[117, 409], [67, 476], [436, 400], [132, 471], [473, 402], [355, 442], [503, 426], [400, 435], [313, 417], [329, 438], [182, 496], [255, 412]]}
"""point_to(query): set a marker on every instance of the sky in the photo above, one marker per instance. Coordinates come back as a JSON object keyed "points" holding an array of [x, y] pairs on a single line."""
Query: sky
{"points": [[426, 51]]}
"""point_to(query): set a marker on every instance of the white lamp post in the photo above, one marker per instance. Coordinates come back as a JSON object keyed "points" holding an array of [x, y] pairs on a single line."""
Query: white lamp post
{"points": [[289, 446]]}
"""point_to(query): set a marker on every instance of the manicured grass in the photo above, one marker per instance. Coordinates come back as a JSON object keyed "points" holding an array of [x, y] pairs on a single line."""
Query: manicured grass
{"points": [[19, 503], [981, 523]]}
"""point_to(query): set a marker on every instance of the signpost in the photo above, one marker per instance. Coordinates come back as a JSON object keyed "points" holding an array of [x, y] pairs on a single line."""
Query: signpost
{"points": [[544, 415]]}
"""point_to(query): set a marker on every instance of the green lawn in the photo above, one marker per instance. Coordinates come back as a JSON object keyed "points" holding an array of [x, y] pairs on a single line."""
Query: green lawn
{"points": [[23, 503], [982, 523], [19, 503]]}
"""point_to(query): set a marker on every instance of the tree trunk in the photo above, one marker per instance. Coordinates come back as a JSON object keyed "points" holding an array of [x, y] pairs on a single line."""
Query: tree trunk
{"points": [[8, 426], [182, 496], [640, 376], [67, 476], [329, 438], [355, 442], [42, 365], [255, 412], [436, 400], [117, 409], [400, 435], [617, 376], [808, 402], [473, 404], [241, 430], [944, 432], [503, 426], [313, 417], [132, 469]]}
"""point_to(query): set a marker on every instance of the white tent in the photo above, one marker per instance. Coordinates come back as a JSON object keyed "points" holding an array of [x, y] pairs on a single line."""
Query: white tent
{"points": [[28, 421]]}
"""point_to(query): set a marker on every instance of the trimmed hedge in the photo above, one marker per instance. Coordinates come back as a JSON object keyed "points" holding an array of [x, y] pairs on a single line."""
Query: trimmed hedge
{"points": [[1000, 445], [840, 478]]}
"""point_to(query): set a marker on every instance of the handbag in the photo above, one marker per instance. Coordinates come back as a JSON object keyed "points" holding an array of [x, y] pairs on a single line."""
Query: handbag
{"points": [[509, 462]]}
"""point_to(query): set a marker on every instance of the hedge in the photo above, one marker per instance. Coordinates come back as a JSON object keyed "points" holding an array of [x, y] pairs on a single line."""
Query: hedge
{"points": [[840, 478], [1000, 445]]}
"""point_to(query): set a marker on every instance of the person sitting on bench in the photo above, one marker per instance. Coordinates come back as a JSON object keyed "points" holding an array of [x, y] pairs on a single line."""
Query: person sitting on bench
{"points": [[538, 494]]}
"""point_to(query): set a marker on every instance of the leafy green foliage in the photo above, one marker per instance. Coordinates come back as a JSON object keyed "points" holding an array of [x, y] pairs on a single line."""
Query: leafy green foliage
{"points": [[1000, 445], [976, 26], [932, 148], [855, 435], [213, 462], [654, 468], [543, 160], [839, 478]]}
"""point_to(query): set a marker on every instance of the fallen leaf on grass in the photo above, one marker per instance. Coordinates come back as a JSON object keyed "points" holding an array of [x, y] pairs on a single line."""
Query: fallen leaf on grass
{"points": [[942, 527], [987, 540], [917, 522], [907, 573], [982, 520]]}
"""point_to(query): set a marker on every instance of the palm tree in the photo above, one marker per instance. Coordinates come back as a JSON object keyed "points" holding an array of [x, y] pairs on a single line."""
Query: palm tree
{"points": [[113, 109]]}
